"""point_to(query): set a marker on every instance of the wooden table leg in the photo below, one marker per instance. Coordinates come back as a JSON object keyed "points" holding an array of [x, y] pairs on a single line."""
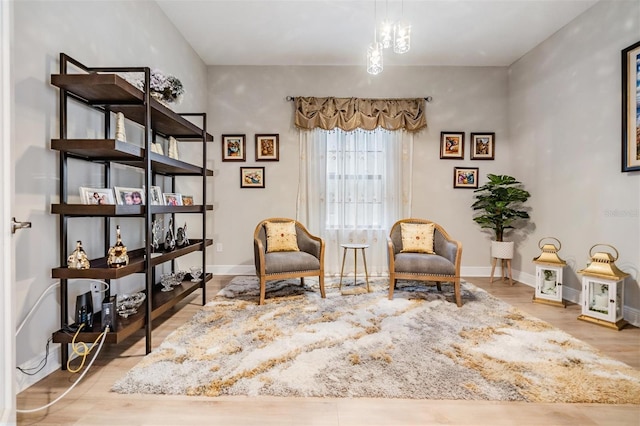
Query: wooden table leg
{"points": [[509, 269], [366, 273], [344, 256]]}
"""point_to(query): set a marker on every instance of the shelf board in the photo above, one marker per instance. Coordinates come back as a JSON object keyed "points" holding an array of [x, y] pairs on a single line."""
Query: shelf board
{"points": [[100, 270], [122, 96], [121, 210], [125, 327], [103, 150]]}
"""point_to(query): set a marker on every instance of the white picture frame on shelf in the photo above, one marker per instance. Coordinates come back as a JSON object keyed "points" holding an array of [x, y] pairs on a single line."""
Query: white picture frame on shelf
{"points": [[129, 196], [155, 196], [96, 196], [172, 199]]}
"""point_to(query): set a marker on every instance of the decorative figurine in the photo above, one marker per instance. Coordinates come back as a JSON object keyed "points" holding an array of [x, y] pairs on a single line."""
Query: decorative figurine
{"points": [[170, 239], [181, 236], [78, 259], [156, 235], [173, 148], [120, 133], [117, 255]]}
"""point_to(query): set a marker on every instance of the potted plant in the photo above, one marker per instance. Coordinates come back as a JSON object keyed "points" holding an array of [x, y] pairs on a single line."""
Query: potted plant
{"points": [[499, 203]]}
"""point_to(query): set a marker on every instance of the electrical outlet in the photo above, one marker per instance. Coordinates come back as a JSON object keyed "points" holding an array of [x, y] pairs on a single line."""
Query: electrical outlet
{"points": [[218, 246]]}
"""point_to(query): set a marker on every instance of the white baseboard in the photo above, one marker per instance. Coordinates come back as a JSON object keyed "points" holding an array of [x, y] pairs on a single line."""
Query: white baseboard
{"points": [[23, 381], [231, 269]]}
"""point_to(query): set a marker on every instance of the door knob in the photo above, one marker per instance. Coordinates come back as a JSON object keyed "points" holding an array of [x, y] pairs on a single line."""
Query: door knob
{"points": [[15, 225]]}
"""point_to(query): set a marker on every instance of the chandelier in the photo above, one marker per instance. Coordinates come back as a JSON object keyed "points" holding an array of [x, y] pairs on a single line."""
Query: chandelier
{"points": [[396, 35]]}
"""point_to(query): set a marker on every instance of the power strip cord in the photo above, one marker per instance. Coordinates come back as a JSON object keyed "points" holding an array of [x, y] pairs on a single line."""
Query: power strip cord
{"points": [[33, 410]]}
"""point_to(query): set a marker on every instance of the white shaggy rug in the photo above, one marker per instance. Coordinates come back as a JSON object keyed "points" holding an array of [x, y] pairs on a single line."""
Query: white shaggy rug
{"points": [[419, 345]]}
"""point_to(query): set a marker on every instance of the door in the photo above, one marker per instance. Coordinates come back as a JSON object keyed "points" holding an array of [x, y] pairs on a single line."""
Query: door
{"points": [[7, 270]]}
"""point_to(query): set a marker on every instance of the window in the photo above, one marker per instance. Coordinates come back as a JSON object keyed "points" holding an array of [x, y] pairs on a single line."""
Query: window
{"points": [[356, 178]]}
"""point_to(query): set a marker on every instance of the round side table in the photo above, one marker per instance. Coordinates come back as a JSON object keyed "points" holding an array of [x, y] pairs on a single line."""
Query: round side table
{"points": [[355, 248]]}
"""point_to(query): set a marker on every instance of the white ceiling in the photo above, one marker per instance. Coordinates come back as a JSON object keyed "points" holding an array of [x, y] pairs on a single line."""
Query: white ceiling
{"points": [[337, 32]]}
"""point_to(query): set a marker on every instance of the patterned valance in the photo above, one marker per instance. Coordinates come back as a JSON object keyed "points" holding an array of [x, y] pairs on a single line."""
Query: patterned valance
{"points": [[353, 113]]}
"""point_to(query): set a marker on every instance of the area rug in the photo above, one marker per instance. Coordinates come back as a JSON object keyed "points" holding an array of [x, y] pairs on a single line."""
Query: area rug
{"points": [[419, 345]]}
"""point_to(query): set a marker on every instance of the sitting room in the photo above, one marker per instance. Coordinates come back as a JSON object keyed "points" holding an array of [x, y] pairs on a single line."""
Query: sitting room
{"points": [[396, 212]]}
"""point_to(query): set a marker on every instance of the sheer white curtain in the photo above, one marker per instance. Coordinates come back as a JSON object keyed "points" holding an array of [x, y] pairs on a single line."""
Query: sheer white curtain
{"points": [[353, 186]]}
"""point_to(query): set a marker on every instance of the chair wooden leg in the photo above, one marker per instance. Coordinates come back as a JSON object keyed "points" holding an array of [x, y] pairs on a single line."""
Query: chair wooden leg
{"points": [[263, 290], [392, 284], [456, 289], [438, 286], [321, 279]]}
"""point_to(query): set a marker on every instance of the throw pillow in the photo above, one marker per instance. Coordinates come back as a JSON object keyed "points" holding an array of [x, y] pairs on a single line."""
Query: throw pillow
{"points": [[281, 236], [417, 237]]}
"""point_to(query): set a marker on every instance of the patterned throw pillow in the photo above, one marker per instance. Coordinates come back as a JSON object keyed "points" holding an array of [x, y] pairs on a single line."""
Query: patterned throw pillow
{"points": [[417, 237], [281, 236]]}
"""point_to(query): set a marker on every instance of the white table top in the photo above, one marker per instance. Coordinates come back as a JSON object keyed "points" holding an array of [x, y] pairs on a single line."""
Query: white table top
{"points": [[354, 246]]}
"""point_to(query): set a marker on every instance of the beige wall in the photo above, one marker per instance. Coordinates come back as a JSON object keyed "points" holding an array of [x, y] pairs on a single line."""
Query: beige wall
{"points": [[97, 33], [250, 100], [564, 122]]}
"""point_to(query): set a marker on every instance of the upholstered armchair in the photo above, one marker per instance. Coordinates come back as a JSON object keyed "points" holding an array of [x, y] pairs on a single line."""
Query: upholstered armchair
{"points": [[283, 248], [422, 250]]}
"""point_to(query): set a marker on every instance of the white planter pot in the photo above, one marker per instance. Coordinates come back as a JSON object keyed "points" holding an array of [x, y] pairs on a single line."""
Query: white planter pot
{"points": [[502, 249]]}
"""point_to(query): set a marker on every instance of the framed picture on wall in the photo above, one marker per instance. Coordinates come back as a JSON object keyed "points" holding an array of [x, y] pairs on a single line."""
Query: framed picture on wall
{"points": [[251, 177], [483, 146], [631, 108], [452, 145], [233, 148], [267, 148], [465, 177]]}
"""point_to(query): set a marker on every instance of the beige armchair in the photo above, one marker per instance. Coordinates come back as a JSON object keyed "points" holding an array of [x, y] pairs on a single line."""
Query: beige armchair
{"points": [[441, 266], [307, 261]]}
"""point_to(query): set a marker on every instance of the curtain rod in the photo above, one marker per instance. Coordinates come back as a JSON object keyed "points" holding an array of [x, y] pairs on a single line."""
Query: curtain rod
{"points": [[291, 98]]}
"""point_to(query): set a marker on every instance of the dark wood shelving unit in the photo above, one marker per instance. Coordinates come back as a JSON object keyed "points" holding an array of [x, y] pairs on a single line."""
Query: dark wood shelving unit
{"points": [[161, 303], [106, 91]]}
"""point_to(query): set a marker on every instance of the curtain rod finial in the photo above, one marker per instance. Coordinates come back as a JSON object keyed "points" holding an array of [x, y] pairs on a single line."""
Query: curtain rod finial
{"points": [[428, 99], [290, 98]]}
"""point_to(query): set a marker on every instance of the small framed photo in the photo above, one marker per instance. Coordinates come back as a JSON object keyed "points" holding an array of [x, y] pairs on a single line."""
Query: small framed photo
{"points": [[465, 177], [631, 108], [96, 196], [233, 148], [155, 196], [251, 177], [452, 145], [172, 199], [483, 146], [129, 196], [267, 147], [187, 200]]}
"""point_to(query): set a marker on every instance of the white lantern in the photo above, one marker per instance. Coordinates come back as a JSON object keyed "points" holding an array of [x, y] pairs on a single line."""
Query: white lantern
{"points": [[603, 290], [549, 269]]}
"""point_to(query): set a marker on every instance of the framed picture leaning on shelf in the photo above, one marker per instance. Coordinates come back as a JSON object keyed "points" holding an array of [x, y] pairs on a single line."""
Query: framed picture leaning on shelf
{"points": [[129, 196], [155, 196], [268, 147], [172, 199], [187, 200], [96, 196], [233, 148]]}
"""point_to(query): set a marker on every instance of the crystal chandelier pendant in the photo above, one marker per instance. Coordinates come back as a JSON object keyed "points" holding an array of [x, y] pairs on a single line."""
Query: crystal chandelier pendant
{"points": [[401, 37], [374, 58], [386, 34]]}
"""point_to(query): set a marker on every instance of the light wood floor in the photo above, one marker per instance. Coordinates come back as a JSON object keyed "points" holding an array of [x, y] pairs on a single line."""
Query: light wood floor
{"points": [[91, 402]]}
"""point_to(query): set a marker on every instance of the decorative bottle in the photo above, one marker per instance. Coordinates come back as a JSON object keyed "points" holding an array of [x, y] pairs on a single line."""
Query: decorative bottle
{"points": [[78, 258], [117, 255]]}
